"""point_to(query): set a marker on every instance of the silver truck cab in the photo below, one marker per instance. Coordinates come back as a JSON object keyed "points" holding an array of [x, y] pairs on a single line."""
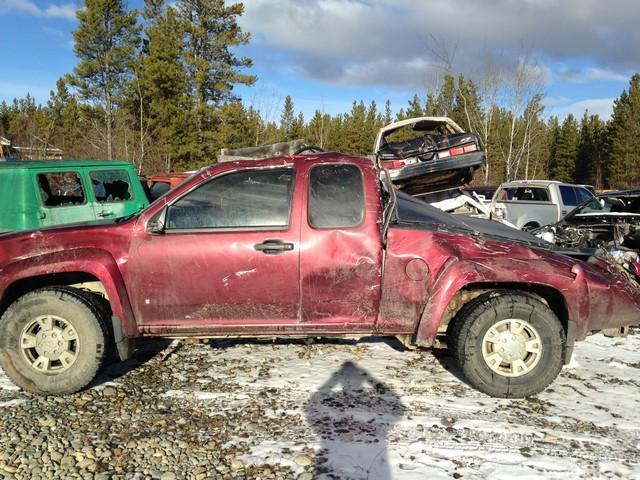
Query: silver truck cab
{"points": [[530, 204]]}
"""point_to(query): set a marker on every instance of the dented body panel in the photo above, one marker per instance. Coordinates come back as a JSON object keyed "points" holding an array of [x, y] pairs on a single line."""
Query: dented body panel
{"points": [[360, 279]]}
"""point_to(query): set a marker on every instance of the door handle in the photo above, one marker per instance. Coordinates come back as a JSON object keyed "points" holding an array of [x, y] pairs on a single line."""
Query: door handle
{"points": [[105, 213], [273, 247]]}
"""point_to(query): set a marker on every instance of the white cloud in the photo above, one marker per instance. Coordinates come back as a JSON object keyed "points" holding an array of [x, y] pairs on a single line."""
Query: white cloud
{"points": [[603, 107], [607, 74], [66, 11], [593, 74], [341, 41], [594, 106]]}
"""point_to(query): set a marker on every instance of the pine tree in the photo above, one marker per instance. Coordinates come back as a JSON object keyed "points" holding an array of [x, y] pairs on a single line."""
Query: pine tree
{"points": [[415, 107], [388, 114], [566, 151], [64, 112], [623, 166], [319, 129], [105, 42], [297, 128], [466, 110], [211, 33], [591, 150], [287, 118], [163, 83], [445, 100], [356, 140]]}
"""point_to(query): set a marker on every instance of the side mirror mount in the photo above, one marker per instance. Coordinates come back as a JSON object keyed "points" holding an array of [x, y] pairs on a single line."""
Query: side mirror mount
{"points": [[156, 225]]}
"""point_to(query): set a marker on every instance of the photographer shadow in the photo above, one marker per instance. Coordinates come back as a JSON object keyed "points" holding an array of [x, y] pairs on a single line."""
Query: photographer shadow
{"points": [[352, 414]]}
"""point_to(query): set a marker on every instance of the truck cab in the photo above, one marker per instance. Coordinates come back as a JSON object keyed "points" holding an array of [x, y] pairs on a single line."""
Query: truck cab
{"points": [[530, 204]]}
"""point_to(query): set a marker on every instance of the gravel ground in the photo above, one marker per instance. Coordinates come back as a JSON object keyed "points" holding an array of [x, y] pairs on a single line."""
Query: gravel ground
{"points": [[242, 409]]}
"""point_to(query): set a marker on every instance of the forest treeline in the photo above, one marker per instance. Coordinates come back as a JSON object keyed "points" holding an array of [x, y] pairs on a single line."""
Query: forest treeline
{"points": [[157, 87]]}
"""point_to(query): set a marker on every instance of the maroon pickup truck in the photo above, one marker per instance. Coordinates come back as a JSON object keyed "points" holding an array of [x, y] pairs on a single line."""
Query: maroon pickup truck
{"points": [[317, 245]]}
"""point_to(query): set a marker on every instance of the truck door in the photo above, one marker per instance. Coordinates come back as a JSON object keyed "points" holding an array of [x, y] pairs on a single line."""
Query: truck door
{"points": [[114, 193], [229, 255], [341, 249]]}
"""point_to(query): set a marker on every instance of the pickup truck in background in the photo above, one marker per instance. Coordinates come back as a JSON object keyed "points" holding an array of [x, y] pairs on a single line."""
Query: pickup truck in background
{"points": [[530, 204], [315, 244]]}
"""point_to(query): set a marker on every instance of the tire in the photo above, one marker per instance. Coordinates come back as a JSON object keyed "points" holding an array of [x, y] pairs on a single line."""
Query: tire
{"points": [[507, 344], [54, 340], [530, 226]]}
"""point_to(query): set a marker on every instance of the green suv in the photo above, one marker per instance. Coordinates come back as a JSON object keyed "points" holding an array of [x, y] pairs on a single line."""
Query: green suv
{"points": [[38, 194]]}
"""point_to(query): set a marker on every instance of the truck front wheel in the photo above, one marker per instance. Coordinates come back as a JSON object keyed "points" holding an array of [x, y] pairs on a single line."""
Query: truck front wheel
{"points": [[53, 340], [507, 344]]}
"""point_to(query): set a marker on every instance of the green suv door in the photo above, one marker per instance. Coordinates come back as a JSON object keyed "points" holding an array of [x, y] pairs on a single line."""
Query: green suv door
{"points": [[64, 197], [114, 193]]}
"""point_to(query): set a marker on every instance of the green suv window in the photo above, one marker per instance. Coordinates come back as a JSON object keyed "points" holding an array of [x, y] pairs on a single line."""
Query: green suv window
{"points": [[111, 185], [61, 189]]}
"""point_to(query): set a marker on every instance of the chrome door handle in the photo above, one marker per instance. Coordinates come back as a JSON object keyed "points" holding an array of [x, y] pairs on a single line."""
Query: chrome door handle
{"points": [[273, 247]]}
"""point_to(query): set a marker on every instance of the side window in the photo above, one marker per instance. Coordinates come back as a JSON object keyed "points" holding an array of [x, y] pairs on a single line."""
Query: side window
{"points": [[583, 194], [111, 185], [568, 195], [336, 196], [245, 199], [158, 189], [505, 194], [59, 189]]}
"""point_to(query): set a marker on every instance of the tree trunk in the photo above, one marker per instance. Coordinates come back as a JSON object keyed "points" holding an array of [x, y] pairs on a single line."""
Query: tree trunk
{"points": [[109, 121]]}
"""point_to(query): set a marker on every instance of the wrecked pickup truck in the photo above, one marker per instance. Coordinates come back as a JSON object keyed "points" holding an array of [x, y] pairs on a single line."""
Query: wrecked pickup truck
{"points": [[317, 245]]}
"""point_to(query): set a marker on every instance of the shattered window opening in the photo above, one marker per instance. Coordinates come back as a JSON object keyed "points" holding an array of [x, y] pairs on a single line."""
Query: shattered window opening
{"points": [[61, 189], [111, 185]]}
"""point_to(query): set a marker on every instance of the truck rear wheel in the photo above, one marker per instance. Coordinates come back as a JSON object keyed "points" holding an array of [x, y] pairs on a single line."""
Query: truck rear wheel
{"points": [[507, 344], [53, 340]]}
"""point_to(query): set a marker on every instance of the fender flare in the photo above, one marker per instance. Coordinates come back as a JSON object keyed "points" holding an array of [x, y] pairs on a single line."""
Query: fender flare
{"points": [[96, 262], [454, 277]]}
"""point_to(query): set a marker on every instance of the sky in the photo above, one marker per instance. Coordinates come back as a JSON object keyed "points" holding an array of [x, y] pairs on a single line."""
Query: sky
{"points": [[327, 53]]}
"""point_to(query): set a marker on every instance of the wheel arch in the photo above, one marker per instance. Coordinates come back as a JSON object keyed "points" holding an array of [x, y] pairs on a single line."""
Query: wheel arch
{"points": [[435, 322], [547, 295], [93, 270]]}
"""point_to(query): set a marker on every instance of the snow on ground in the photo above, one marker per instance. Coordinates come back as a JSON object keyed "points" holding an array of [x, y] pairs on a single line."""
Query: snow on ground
{"points": [[371, 409]]}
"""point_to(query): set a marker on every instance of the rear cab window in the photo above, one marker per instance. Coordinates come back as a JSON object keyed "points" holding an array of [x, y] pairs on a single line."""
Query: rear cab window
{"points": [[61, 189], [524, 194], [336, 196]]}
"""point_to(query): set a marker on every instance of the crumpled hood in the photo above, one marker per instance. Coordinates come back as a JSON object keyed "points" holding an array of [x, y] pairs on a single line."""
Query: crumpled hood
{"points": [[416, 212]]}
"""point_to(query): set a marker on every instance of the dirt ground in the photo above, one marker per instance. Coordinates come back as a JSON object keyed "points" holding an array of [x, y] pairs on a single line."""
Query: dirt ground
{"points": [[242, 409]]}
